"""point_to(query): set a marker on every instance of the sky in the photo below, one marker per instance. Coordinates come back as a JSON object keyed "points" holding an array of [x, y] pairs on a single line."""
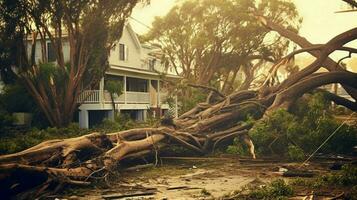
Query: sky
{"points": [[320, 22]]}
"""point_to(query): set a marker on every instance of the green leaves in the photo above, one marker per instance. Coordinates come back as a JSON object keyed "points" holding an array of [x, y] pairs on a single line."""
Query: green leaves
{"points": [[114, 87], [303, 130], [277, 189], [207, 39]]}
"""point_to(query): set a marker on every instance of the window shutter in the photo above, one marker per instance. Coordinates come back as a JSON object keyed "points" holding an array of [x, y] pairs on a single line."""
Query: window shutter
{"points": [[121, 52], [126, 52]]}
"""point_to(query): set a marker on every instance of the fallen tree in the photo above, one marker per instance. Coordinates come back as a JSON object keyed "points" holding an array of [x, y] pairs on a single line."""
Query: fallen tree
{"points": [[82, 160]]}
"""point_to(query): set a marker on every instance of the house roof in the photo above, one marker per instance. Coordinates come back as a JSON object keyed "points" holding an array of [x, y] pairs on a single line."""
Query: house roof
{"points": [[133, 35], [121, 70]]}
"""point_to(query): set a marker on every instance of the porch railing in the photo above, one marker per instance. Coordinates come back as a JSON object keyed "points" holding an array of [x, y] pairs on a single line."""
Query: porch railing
{"points": [[95, 96], [117, 99], [89, 96], [137, 97]]}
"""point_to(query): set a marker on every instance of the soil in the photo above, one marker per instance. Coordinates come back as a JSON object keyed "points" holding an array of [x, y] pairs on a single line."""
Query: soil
{"points": [[194, 178]]}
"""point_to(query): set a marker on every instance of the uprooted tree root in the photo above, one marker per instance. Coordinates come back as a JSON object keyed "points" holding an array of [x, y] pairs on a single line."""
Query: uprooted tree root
{"points": [[82, 160]]}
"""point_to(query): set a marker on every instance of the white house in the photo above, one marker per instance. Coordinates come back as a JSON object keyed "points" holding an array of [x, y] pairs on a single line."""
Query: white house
{"points": [[136, 67]]}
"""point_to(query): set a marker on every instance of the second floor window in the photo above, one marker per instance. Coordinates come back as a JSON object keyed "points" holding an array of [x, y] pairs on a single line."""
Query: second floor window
{"points": [[123, 52], [51, 54], [152, 64]]}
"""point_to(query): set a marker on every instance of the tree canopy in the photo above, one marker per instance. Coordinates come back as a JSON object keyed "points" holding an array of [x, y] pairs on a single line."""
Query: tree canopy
{"points": [[210, 41]]}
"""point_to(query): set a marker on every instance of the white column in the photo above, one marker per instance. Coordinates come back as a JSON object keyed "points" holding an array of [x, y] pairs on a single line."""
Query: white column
{"points": [[101, 91], [149, 90], [158, 94], [124, 89], [83, 119], [145, 113]]}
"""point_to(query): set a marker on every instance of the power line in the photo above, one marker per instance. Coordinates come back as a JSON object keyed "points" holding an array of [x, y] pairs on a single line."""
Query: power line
{"points": [[138, 21]]}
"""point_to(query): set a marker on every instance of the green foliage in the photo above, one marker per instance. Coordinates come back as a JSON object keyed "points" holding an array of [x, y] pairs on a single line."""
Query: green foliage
{"points": [[237, 148], [126, 122], [270, 136], [202, 36], [15, 98], [152, 121], [295, 153], [189, 98], [6, 121], [276, 189], [121, 122], [114, 87], [108, 125], [303, 130], [17, 141], [344, 178]]}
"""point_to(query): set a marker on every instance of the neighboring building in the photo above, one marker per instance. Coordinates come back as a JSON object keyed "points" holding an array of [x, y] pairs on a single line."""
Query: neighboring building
{"points": [[138, 69]]}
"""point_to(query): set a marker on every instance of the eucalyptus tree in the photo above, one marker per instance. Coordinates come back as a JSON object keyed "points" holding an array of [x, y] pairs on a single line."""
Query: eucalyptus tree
{"points": [[90, 27]]}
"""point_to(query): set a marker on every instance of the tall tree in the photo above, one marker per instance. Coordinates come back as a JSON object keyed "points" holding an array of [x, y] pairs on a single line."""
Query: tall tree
{"points": [[90, 28], [210, 41]]}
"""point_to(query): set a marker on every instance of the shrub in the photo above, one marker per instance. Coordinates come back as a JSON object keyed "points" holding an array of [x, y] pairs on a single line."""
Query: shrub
{"points": [[108, 125], [277, 189], [6, 120], [15, 98], [271, 135], [309, 123], [237, 148], [17, 141], [345, 178], [295, 153]]}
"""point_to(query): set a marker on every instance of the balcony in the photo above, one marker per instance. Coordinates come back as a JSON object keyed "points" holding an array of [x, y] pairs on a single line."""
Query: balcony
{"points": [[137, 97], [98, 96], [107, 99]]}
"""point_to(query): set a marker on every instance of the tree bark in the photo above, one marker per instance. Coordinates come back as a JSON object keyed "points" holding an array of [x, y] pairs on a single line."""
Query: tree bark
{"points": [[328, 63]]}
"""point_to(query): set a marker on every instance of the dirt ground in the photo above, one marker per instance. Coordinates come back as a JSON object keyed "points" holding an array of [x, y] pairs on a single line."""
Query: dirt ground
{"points": [[196, 178]]}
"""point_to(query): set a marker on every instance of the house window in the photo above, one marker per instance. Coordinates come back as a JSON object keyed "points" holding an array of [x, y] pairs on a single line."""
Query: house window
{"points": [[51, 54], [123, 52], [136, 85]]}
